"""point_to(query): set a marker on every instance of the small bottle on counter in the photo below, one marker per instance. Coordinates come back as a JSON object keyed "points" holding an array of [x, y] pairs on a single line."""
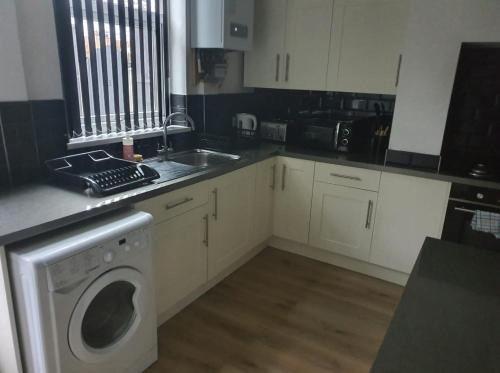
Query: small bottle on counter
{"points": [[128, 148]]}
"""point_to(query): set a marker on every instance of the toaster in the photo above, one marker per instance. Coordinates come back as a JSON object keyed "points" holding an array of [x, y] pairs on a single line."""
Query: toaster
{"points": [[274, 131]]}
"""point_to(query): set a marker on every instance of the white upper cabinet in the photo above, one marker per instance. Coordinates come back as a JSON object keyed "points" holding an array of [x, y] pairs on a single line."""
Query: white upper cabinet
{"points": [[341, 45], [232, 201], [292, 198], [409, 209], [291, 44], [307, 37], [366, 44], [264, 64], [342, 220]]}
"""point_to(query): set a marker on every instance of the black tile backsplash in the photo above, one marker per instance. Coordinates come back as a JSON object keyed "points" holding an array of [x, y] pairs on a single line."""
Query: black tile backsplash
{"points": [[20, 141], [33, 131], [400, 158], [4, 172], [49, 121], [216, 112]]}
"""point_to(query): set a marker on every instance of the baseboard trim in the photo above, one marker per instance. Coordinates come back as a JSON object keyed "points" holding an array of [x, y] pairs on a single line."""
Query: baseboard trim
{"points": [[186, 301], [339, 260]]}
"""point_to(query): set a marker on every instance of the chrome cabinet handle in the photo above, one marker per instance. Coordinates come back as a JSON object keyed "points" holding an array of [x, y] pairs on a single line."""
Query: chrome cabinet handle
{"points": [[215, 214], [175, 204], [400, 60], [273, 184], [287, 69], [205, 240], [283, 177], [369, 215], [461, 209], [277, 77], [345, 176]]}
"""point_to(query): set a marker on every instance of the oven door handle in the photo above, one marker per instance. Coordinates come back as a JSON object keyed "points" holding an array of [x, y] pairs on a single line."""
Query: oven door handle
{"points": [[461, 209]]}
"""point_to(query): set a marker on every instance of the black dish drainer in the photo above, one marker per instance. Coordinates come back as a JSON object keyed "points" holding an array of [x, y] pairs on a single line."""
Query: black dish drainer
{"points": [[100, 172]]}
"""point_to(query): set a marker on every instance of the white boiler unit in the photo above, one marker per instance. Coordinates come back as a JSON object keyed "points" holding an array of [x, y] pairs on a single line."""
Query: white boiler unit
{"points": [[222, 24]]}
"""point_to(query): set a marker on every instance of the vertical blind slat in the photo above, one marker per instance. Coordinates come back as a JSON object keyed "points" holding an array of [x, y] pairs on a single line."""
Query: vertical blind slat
{"points": [[133, 60], [93, 62], [150, 62], [106, 46], [82, 65], [104, 61], [158, 60], [114, 61], [142, 62], [124, 61]]}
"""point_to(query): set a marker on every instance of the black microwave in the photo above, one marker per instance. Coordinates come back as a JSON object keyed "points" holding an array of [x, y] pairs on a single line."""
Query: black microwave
{"points": [[351, 135]]}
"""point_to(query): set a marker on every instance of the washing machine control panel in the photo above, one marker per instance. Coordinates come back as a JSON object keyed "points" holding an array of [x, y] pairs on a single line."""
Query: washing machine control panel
{"points": [[76, 268]]}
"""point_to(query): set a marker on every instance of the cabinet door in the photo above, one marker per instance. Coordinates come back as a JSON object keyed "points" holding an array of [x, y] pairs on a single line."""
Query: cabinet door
{"points": [[264, 64], [292, 198], [366, 43], [342, 220], [180, 257], [409, 209], [264, 198], [307, 43], [231, 219]]}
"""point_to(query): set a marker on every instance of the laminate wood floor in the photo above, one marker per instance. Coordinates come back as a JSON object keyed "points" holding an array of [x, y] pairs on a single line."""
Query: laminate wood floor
{"points": [[281, 312]]}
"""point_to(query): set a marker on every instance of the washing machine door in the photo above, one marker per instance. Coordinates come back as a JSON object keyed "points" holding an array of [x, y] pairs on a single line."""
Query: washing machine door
{"points": [[108, 314]]}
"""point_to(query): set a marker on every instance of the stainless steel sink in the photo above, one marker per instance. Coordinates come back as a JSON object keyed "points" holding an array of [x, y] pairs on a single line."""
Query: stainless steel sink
{"points": [[171, 170], [187, 163], [202, 158]]}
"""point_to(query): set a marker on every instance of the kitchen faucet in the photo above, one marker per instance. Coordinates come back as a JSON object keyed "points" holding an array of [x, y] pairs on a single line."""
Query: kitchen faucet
{"points": [[166, 149]]}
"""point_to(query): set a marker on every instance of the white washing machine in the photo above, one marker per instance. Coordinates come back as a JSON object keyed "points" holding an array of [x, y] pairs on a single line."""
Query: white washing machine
{"points": [[84, 297]]}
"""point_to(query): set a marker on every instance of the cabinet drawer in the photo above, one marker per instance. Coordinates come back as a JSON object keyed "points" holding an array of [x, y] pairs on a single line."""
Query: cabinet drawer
{"points": [[174, 203], [347, 176]]}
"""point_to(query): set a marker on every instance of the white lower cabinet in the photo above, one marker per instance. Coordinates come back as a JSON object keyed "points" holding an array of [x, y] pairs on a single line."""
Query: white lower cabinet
{"points": [[342, 220], [409, 209], [232, 205], [180, 256], [194, 243], [264, 197], [292, 198], [204, 229]]}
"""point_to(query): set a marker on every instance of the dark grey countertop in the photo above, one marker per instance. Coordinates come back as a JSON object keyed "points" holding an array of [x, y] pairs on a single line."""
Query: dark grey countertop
{"points": [[448, 319], [38, 208]]}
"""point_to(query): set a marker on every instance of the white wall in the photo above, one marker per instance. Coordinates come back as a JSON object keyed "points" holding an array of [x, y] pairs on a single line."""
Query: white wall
{"points": [[12, 82], [435, 32], [37, 33], [178, 39], [29, 62]]}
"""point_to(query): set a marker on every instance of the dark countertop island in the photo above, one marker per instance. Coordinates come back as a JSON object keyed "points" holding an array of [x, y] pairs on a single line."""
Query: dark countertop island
{"points": [[448, 319]]}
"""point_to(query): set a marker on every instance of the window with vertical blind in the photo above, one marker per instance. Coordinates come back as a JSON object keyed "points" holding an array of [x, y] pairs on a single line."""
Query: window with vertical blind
{"points": [[114, 58]]}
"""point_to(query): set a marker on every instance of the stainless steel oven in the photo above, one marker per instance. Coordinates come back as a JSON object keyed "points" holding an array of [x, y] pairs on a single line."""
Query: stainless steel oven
{"points": [[473, 217]]}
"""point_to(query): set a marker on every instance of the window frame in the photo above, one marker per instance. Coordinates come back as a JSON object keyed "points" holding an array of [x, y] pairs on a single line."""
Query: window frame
{"points": [[70, 75]]}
